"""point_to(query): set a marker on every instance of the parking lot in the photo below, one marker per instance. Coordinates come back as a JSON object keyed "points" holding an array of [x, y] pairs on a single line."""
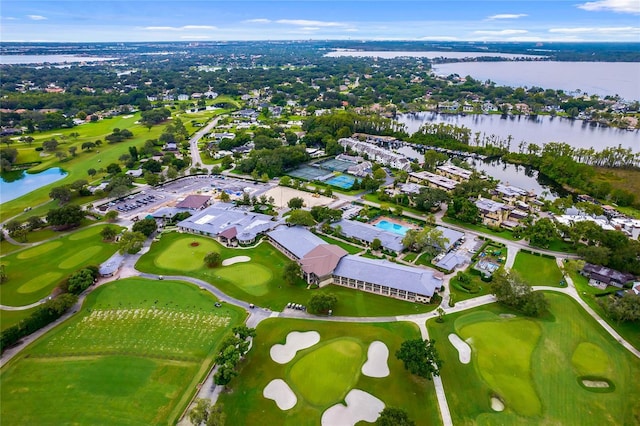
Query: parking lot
{"points": [[168, 195]]}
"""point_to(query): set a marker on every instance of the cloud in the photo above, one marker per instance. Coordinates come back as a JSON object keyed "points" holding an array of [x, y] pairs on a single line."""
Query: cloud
{"points": [[507, 16], [620, 6], [185, 27], [308, 23], [310, 28], [9, 18], [501, 32], [258, 21], [37, 17], [601, 30]]}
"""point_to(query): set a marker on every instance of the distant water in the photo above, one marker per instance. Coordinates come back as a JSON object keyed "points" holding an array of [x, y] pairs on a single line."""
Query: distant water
{"points": [[18, 183], [51, 59], [538, 130], [599, 78], [425, 54]]}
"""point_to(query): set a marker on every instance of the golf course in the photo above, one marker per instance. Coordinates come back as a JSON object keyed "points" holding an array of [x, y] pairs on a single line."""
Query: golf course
{"points": [[324, 374], [134, 354], [562, 368]]}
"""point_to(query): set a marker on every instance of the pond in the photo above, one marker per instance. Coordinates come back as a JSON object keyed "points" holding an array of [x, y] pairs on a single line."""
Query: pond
{"points": [[18, 183]]}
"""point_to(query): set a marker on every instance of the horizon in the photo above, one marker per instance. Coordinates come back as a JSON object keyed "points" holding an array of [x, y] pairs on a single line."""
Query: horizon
{"points": [[119, 21]]}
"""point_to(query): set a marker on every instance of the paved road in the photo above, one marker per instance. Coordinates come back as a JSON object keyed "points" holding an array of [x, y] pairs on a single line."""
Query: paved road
{"points": [[193, 144]]}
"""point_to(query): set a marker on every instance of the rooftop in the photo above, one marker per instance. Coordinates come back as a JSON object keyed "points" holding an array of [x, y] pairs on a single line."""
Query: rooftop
{"points": [[450, 234], [368, 233], [297, 240], [322, 260], [216, 219], [194, 202]]}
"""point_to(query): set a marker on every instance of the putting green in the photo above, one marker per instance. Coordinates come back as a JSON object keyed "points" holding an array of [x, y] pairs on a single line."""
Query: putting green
{"points": [[325, 375], [38, 250], [39, 282], [590, 360], [79, 257], [502, 351], [183, 257], [86, 233], [250, 277]]}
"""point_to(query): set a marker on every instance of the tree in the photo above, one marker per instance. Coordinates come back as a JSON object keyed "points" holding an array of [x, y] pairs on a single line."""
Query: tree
{"points": [[61, 193], [376, 244], [322, 303], [300, 217], [200, 413], [430, 240], [72, 150], [394, 417], [213, 259], [91, 172], [20, 235], [510, 290], [542, 232], [295, 203], [111, 216], [113, 169], [285, 181], [224, 197], [3, 274], [65, 217], [13, 225], [145, 226], [131, 242], [50, 145], [108, 233], [622, 309], [88, 146], [80, 280], [34, 222], [291, 273], [441, 314], [420, 357]]}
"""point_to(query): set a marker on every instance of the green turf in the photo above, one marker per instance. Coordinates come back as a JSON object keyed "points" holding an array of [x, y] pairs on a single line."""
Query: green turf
{"points": [[245, 404], [326, 373], [349, 248], [506, 367], [134, 355], [34, 272], [6, 247], [273, 293], [554, 367], [537, 270], [11, 318], [507, 235]]}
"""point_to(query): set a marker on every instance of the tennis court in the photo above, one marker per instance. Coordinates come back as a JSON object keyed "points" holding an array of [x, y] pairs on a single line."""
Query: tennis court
{"points": [[335, 165], [341, 181], [309, 173]]}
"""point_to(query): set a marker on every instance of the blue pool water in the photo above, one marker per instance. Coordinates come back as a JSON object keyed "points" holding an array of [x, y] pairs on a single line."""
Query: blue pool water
{"points": [[392, 227], [19, 183], [341, 181]]}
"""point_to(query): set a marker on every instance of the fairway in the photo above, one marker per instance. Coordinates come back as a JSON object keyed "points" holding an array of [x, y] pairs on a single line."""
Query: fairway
{"points": [[182, 256], [325, 374], [134, 353], [522, 360], [250, 277], [34, 272], [506, 367]]}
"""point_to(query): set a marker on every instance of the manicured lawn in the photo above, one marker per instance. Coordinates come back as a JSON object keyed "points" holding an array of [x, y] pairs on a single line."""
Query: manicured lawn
{"points": [[459, 294], [629, 330], [34, 272], [260, 280], [323, 374], [11, 318], [350, 248], [6, 247], [133, 355], [535, 366], [537, 270]]}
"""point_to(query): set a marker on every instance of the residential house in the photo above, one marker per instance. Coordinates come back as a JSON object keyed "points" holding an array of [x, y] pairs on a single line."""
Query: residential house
{"points": [[433, 181], [600, 276], [454, 172], [493, 213]]}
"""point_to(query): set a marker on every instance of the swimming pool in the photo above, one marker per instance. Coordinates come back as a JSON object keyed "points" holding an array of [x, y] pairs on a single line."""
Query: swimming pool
{"points": [[396, 228], [341, 181]]}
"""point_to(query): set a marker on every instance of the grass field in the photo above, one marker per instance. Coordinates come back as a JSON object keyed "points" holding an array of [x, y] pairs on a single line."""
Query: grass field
{"points": [[34, 272], [534, 366], [507, 235], [77, 166], [537, 270], [626, 179], [323, 374], [260, 280], [350, 248], [11, 318], [134, 355]]}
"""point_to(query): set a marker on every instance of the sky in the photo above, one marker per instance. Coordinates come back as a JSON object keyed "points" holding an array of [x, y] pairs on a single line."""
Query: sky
{"points": [[201, 20]]}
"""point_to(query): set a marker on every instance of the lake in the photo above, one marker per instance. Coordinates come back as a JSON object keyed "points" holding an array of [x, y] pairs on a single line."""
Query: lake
{"points": [[538, 130], [51, 59], [600, 78], [383, 54], [18, 183]]}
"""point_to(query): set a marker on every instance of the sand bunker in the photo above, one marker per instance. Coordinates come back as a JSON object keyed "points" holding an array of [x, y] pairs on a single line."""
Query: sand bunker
{"points": [[377, 356], [237, 259], [507, 316], [296, 341], [595, 383], [464, 350], [281, 393], [361, 406], [497, 404]]}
